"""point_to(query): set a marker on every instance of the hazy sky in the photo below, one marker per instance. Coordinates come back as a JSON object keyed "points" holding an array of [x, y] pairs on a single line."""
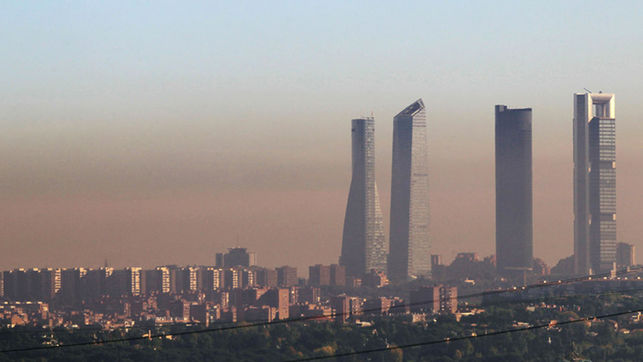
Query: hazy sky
{"points": [[152, 132]]}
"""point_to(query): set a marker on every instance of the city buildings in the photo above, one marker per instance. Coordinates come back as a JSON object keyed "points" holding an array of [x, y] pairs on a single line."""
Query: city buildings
{"points": [[436, 299], [625, 255], [375, 279], [235, 257], [341, 307], [363, 243], [287, 276], [325, 275], [319, 275], [337, 275], [594, 182], [267, 277], [438, 270], [409, 249], [514, 211]]}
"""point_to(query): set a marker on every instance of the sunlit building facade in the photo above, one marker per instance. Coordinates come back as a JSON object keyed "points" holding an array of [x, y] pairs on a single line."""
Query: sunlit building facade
{"points": [[594, 182], [409, 254], [363, 241]]}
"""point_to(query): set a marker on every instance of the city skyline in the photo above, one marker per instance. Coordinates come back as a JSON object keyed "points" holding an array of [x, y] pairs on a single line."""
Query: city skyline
{"points": [[177, 180], [363, 152], [146, 144]]}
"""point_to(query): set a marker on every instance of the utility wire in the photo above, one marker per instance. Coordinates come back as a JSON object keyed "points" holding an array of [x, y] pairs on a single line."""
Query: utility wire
{"points": [[461, 338]]}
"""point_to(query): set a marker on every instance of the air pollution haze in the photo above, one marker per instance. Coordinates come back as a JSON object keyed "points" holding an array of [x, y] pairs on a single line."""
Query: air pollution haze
{"points": [[150, 134]]}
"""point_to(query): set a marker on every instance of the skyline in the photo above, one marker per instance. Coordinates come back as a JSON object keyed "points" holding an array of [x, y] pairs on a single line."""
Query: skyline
{"points": [[143, 143], [241, 244]]}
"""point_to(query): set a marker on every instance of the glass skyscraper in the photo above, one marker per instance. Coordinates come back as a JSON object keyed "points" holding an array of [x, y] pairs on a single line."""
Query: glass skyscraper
{"points": [[594, 182], [409, 254], [363, 242], [514, 212]]}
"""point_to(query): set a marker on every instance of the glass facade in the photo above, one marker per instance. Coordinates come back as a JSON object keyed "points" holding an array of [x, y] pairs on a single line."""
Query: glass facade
{"points": [[363, 243], [514, 211], [409, 254], [594, 182], [602, 192]]}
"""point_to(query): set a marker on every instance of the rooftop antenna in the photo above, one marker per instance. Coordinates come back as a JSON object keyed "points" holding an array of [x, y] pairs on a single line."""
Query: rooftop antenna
{"points": [[588, 91]]}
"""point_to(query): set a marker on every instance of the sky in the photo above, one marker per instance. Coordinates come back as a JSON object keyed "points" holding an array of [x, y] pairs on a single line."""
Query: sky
{"points": [[150, 133]]}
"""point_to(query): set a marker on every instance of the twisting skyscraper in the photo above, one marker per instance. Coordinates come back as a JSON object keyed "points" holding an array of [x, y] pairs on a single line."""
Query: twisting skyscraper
{"points": [[363, 243], [514, 222], [409, 254], [594, 182]]}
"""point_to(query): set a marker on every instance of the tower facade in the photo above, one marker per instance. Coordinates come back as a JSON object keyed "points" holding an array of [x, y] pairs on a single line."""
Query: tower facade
{"points": [[514, 210], [594, 182], [363, 243], [409, 254]]}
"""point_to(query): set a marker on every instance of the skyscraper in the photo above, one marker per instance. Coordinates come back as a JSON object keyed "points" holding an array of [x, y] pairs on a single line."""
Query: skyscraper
{"points": [[363, 243], [514, 220], [409, 254], [594, 182], [237, 257]]}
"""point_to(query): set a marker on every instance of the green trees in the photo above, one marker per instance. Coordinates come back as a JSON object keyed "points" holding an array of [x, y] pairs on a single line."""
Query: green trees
{"points": [[612, 339]]}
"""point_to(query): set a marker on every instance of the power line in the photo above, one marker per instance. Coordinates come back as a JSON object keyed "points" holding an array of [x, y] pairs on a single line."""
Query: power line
{"points": [[461, 338], [259, 323], [210, 330]]}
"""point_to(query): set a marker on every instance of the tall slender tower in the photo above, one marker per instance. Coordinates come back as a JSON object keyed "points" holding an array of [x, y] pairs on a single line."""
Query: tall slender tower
{"points": [[594, 182], [409, 254], [363, 244], [514, 212]]}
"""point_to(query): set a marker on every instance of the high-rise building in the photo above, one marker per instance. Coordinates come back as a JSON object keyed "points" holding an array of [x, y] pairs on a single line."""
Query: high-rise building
{"points": [[438, 270], [232, 278], [167, 279], [218, 260], [126, 281], [238, 257], [341, 307], [249, 277], [287, 276], [213, 279], [625, 255], [278, 298], [337, 275], [70, 281], [192, 279], [594, 182], [409, 235], [319, 275], [363, 242], [436, 299], [266, 277], [514, 211]]}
